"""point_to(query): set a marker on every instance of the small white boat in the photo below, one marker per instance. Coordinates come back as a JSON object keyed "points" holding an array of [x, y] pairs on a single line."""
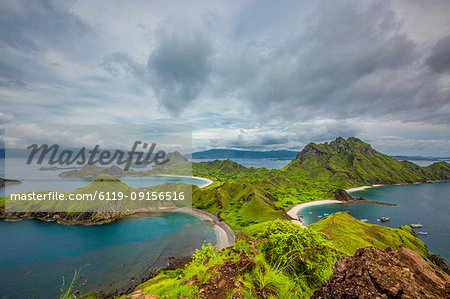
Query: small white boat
{"points": [[378, 219], [416, 225], [326, 214], [310, 213], [422, 233], [319, 216], [364, 220]]}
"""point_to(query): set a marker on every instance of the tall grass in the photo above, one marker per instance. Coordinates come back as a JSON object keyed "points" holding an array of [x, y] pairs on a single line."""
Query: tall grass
{"points": [[70, 291]]}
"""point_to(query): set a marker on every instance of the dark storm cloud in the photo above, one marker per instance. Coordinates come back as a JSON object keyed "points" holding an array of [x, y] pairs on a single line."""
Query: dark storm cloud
{"points": [[30, 25], [345, 43], [253, 140], [323, 131], [30, 30], [439, 60], [178, 68]]}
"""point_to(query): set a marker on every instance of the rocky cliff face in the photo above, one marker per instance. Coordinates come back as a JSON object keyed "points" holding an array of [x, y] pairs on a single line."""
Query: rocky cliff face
{"points": [[377, 273], [342, 195]]}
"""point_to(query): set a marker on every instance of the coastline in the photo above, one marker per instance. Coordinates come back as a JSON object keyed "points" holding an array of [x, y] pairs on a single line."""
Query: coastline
{"points": [[226, 236], [293, 213], [361, 188], [207, 181]]}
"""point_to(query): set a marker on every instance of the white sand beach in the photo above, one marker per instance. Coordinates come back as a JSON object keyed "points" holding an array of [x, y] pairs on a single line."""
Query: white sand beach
{"points": [[295, 210], [359, 188], [207, 181], [225, 234], [371, 186]]}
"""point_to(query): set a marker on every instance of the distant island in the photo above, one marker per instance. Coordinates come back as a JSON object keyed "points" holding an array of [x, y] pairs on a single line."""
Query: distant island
{"points": [[4, 182], [420, 158]]}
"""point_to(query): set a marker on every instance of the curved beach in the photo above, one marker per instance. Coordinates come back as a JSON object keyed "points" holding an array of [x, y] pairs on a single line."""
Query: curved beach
{"points": [[225, 234], [365, 187], [206, 184], [295, 210]]}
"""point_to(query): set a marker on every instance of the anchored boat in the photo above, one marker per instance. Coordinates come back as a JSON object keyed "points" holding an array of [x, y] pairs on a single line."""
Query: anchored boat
{"points": [[416, 225]]}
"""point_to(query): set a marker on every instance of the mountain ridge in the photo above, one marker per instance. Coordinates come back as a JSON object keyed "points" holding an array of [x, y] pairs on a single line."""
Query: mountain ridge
{"points": [[351, 162]]}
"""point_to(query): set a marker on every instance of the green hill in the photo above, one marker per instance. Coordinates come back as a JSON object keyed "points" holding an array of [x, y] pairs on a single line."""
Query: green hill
{"points": [[244, 196], [276, 259], [348, 234], [352, 162]]}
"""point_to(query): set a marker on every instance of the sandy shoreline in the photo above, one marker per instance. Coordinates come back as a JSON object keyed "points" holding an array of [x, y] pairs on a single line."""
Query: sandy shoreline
{"points": [[293, 213], [399, 184], [225, 234], [295, 210], [369, 186], [207, 181]]}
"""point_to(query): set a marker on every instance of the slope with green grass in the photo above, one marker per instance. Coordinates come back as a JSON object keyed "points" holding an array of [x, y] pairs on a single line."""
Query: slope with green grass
{"points": [[352, 162], [276, 259], [348, 234]]}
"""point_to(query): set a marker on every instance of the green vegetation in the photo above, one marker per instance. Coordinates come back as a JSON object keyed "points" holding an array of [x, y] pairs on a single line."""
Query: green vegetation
{"points": [[71, 290], [247, 196], [243, 196], [282, 261], [348, 234], [105, 188], [278, 258], [351, 162]]}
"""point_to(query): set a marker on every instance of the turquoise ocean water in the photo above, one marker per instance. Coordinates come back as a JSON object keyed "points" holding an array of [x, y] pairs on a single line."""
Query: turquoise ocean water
{"points": [[36, 254], [427, 204]]}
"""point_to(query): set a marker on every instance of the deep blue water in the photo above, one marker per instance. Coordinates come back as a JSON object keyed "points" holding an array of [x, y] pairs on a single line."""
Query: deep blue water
{"points": [[427, 204], [36, 254]]}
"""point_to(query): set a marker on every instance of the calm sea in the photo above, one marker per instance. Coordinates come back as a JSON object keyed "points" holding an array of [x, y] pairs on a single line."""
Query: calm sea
{"points": [[36, 254], [427, 204]]}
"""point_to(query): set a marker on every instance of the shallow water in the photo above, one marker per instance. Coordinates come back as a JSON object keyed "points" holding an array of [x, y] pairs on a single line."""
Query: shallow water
{"points": [[36, 254], [427, 204]]}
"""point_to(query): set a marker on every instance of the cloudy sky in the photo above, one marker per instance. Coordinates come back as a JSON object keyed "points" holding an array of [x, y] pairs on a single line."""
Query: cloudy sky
{"points": [[245, 74]]}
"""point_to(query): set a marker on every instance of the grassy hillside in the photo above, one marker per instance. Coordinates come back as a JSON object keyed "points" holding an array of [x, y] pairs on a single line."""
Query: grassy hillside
{"points": [[241, 202], [348, 234], [276, 259], [351, 162]]}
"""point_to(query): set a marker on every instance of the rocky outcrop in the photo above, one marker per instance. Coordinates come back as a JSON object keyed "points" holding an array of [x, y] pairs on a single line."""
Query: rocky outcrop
{"points": [[342, 195], [4, 182], [375, 273], [85, 218], [220, 284], [310, 149]]}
